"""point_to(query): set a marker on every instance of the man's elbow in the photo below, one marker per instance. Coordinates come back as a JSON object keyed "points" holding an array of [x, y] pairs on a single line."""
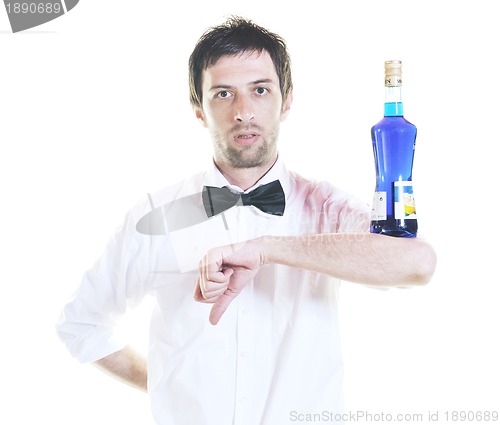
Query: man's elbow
{"points": [[424, 265]]}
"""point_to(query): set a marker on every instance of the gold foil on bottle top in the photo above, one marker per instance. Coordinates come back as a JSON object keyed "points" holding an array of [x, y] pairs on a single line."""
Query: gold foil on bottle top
{"points": [[393, 77]]}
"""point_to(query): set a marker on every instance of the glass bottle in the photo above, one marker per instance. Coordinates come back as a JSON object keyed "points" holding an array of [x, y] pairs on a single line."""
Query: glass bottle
{"points": [[393, 140]]}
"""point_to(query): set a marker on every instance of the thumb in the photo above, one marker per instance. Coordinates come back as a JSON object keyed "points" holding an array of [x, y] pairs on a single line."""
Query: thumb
{"points": [[221, 305]]}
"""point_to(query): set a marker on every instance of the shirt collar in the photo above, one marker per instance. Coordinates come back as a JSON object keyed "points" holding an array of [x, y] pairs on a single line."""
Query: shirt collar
{"points": [[278, 171]]}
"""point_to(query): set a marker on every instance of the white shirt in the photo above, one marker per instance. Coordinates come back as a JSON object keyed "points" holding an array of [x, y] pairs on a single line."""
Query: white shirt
{"points": [[275, 352]]}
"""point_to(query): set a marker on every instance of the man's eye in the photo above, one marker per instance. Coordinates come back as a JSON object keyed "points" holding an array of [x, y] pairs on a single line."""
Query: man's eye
{"points": [[261, 90], [223, 94]]}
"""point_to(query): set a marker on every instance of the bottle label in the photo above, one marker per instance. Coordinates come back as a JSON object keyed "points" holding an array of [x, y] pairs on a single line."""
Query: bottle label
{"points": [[393, 81], [404, 201], [379, 206]]}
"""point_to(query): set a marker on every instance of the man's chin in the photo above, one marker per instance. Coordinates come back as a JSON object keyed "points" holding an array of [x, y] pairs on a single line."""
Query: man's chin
{"points": [[259, 161]]}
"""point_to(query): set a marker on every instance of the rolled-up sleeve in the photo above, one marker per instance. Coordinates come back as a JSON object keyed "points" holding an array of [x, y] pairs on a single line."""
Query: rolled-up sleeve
{"points": [[116, 281]]}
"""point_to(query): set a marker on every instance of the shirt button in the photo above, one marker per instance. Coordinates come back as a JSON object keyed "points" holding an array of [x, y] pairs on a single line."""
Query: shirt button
{"points": [[243, 400], [244, 354]]}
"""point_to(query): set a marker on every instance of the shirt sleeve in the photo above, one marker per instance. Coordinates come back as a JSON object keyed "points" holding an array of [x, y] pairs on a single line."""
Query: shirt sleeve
{"points": [[117, 280], [354, 216], [346, 213]]}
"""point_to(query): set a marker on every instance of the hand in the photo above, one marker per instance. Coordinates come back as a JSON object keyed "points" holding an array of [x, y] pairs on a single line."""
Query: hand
{"points": [[224, 272]]}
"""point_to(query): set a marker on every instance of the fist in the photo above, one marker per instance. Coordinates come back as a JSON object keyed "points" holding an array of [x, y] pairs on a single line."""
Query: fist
{"points": [[224, 272]]}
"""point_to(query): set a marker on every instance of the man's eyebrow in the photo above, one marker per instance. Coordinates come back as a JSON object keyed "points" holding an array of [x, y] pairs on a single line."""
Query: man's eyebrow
{"points": [[262, 81], [220, 86], [251, 83]]}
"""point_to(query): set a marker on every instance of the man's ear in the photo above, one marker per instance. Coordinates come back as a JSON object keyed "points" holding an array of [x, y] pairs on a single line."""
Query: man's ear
{"points": [[200, 115], [287, 104]]}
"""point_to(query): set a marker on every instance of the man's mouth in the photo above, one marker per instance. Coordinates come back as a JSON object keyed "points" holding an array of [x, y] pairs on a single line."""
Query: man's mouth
{"points": [[246, 138], [246, 135]]}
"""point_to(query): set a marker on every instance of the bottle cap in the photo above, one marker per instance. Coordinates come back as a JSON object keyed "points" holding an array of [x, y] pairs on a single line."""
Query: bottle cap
{"points": [[393, 76]]}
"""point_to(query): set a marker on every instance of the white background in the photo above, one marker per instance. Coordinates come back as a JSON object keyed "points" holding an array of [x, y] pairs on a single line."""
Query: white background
{"points": [[94, 113]]}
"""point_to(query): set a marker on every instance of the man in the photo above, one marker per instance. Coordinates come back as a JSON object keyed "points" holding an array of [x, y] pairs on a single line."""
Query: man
{"points": [[262, 344]]}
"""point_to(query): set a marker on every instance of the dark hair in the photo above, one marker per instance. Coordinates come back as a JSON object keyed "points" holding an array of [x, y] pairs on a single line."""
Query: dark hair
{"points": [[237, 35]]}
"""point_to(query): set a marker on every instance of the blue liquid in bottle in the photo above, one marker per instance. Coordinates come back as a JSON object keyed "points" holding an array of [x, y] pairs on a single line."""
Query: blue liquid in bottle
{"points": [[393, 140]]}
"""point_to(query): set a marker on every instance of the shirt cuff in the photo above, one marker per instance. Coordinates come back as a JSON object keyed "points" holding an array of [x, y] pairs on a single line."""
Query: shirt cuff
{"points": [[91, 345]]}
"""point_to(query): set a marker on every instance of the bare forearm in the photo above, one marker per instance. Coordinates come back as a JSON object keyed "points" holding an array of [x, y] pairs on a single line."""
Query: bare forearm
{"points": [[363, 258], [127, 366]]}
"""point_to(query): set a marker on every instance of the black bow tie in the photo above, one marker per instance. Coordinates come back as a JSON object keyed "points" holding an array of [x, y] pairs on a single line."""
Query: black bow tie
{"points": [[268, 198]]}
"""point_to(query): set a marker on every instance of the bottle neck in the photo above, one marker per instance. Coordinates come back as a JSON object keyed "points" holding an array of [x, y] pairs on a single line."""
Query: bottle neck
{"points": [[393, 106]]}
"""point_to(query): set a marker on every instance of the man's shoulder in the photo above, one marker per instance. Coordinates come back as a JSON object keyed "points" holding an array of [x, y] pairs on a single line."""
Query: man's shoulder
{"points": [[323, 192], [346, 211], [310, 186]]}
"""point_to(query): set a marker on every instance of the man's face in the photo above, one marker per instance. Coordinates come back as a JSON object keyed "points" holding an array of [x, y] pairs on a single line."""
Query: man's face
{"points": [[242, 108]]}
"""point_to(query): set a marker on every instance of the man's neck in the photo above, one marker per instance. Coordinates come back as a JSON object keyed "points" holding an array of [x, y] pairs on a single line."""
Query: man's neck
{"points": [[245, 178]]}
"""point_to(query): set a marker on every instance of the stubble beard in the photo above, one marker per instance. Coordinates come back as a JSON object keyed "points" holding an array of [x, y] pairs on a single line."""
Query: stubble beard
{"points": [[247, 156]]}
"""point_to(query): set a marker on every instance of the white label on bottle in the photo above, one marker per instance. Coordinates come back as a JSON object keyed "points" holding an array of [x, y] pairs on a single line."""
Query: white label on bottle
{"points": [[404, 201], [379, 206]]}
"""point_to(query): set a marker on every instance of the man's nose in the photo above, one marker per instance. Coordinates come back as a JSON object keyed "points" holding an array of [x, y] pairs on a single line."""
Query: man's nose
{"points": [[244, 110]]}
